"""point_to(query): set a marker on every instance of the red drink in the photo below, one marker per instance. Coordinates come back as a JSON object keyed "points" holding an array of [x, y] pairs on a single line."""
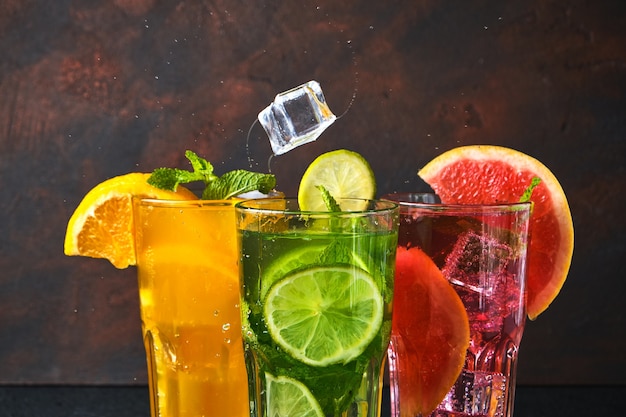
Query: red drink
{"points": [[481, 252]]}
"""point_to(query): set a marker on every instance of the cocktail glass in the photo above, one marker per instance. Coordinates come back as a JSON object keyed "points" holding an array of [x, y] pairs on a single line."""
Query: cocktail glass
{"points": [[189, 296], [481, 251], [316, 305]]}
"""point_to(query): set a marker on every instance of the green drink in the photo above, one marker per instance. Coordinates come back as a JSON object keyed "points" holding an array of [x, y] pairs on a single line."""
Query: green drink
{"points": [[316, 296]]}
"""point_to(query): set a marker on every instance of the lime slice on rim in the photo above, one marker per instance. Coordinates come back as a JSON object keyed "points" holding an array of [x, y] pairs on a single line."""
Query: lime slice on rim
{"points": [[345, 174], [324, 315], [287, 397]]}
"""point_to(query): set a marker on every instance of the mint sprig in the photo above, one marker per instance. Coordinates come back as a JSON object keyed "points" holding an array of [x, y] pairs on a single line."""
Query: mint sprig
{"points": [[237, 182], [336, 251], [529, 191], [229, 185], [329, 200]]}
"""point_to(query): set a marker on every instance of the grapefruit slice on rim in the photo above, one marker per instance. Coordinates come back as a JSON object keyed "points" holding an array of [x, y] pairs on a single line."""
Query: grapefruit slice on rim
{"points": [[430, 331], [483, 174]]}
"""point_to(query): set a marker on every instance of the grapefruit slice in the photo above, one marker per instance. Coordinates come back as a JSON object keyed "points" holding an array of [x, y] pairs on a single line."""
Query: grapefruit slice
{"points": [[102, 224], [430, 332], [483, 174]]}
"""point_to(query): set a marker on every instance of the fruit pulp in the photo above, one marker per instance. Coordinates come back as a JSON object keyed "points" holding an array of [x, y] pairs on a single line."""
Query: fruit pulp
{"points": [[189, 298], [483, 256], [268, 258]]}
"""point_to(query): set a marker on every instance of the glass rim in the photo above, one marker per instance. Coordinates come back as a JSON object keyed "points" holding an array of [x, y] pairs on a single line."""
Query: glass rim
{"points": [[158, 202], [263, 205], [401, 198]]}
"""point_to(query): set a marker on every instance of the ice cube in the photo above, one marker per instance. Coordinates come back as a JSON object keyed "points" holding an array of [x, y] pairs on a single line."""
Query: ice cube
{"points": [[477, 262], [296, 117], [477, 269], [475, 393]]}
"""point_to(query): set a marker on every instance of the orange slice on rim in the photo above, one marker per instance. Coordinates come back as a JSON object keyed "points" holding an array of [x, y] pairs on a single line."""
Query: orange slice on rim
{"points": [[102, 224], [482, 174]]}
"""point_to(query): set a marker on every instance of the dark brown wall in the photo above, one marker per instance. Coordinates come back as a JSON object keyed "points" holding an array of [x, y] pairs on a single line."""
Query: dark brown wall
{"points": [[92, 89]]}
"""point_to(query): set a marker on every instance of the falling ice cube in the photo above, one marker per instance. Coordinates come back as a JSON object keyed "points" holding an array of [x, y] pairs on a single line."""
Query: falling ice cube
{"points": [[296, 117]]}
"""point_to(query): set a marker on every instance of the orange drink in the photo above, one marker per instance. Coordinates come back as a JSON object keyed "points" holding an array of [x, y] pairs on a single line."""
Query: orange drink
{"points": [[187, 263], [186, 255]]}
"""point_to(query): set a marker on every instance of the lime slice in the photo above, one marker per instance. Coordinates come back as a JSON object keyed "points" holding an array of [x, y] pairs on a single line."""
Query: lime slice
{"points": [[290, 261], [287, 397], [345, 174], [298, 259], [325, 314]]}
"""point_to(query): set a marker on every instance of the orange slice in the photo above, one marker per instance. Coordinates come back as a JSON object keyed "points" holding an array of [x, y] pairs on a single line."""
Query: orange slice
{"points": [[102, 224], [491, 174], [430, 318]]}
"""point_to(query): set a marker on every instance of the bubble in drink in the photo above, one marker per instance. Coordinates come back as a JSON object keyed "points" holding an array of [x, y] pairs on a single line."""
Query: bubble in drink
{"points": [[296, 117]]}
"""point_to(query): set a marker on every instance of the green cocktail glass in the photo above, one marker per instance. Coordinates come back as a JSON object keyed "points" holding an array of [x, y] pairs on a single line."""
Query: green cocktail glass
{"points": [[316, 297]]}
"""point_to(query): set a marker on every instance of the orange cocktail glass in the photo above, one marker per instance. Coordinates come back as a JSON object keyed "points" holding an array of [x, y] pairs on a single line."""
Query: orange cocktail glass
{"points": [[187, 263]]}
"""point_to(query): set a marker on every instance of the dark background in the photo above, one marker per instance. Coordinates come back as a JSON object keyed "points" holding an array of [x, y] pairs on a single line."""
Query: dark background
{"points": [[93, 89]]}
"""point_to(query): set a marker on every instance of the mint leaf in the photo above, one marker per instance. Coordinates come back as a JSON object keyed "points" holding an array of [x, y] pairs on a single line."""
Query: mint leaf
{"points": [[529, 191], [238, 182], [228, 185], [336, 253], [329, 200], [200, 165], [169, 178]]}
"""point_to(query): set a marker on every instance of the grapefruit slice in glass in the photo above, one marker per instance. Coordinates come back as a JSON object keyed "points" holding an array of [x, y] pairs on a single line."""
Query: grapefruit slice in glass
{"points": [[430, 333]]}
